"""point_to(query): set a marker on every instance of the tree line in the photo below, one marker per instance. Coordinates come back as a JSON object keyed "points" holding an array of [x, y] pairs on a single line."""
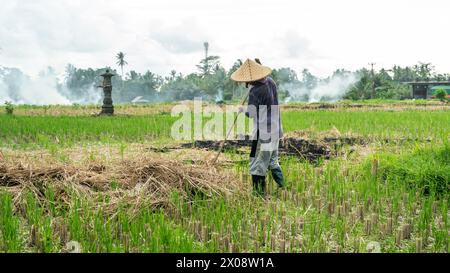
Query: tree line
{"points": [[212, 82]]}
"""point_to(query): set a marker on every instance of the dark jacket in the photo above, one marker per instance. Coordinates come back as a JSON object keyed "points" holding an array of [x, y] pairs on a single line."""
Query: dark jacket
{"points": [[263, 107]]}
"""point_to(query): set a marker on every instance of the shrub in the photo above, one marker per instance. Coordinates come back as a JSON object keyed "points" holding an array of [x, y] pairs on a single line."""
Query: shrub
{"points": [[9, 108], [441, 95]]}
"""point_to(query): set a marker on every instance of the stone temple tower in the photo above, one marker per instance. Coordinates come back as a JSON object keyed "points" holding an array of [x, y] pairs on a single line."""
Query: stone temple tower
{"points": [[107, 108]]}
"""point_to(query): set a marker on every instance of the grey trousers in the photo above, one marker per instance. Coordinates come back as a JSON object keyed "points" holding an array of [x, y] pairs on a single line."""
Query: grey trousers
{"points": [[265, 158]]}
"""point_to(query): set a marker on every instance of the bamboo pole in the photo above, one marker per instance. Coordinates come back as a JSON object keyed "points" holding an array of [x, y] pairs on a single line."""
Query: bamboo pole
{"points": [[222, 144]]}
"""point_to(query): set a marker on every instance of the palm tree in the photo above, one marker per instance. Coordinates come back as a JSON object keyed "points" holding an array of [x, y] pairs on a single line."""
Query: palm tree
{"points": [[121, 61], [208, 63]]}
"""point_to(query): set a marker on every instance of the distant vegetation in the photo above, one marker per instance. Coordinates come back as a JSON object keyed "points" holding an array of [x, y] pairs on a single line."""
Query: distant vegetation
{"points": [[212, 82], [215, 83]]}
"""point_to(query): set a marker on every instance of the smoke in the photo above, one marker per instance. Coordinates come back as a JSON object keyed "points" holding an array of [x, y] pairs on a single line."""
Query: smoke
{"points": [[95, 96], [86, 95], [219, 96], [48, 88], [45, 89], [330, 89], [4, 96], [40, 91], [334, 89]]}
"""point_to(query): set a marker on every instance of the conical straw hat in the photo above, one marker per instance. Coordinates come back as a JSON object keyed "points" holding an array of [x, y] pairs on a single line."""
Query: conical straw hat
{"points": [[250, 71]]}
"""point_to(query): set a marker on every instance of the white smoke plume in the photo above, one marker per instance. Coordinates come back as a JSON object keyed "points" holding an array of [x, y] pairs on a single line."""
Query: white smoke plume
{"points": [[331, 89], [44, 89], [334, 89], [40, 91], [4, 96], [91, 95]]}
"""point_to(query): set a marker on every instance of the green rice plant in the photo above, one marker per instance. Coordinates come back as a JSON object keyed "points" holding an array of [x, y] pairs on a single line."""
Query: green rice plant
{"points": [[9, 226], [40, 131], [122, 149], [425, 169], [66, 131], [397, 196]]}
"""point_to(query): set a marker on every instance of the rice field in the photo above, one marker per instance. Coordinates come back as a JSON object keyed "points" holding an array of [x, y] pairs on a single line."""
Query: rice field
{"points": [[72, 182]]}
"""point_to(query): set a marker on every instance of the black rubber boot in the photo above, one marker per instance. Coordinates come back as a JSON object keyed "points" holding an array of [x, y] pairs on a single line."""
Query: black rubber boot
{"points": [[277, 175], [255, 182], [262, 185], [259, 184]]}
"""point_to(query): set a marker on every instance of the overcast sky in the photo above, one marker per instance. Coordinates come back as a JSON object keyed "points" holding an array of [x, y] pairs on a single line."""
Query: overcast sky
{"points": [[162, 35]]}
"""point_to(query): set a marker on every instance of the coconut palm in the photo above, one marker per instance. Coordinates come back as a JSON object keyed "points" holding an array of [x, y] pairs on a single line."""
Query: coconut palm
{"points": [[208, 63], [121, 61]]}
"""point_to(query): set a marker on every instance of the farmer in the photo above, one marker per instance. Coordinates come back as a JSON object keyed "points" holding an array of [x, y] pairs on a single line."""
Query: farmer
{"points": [[263, 109]]}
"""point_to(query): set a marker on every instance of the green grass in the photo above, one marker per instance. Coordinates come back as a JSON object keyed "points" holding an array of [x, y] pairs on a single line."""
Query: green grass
{"points": [[9, 226], [425, 170], [369, 102], [44, 131], [44, 228], [63, 131], [377, 124]]}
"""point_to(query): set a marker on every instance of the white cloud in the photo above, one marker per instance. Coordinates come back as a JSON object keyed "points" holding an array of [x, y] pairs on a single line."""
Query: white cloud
{"points": [[163, 35], [296, 46], [185, 37]]}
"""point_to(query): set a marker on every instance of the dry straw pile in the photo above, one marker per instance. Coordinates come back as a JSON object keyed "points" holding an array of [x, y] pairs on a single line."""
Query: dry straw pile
{"points": [[141, 182]]}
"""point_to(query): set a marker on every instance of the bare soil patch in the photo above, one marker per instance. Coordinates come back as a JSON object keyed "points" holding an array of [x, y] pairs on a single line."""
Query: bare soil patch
{"points": [[299, 144]]}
